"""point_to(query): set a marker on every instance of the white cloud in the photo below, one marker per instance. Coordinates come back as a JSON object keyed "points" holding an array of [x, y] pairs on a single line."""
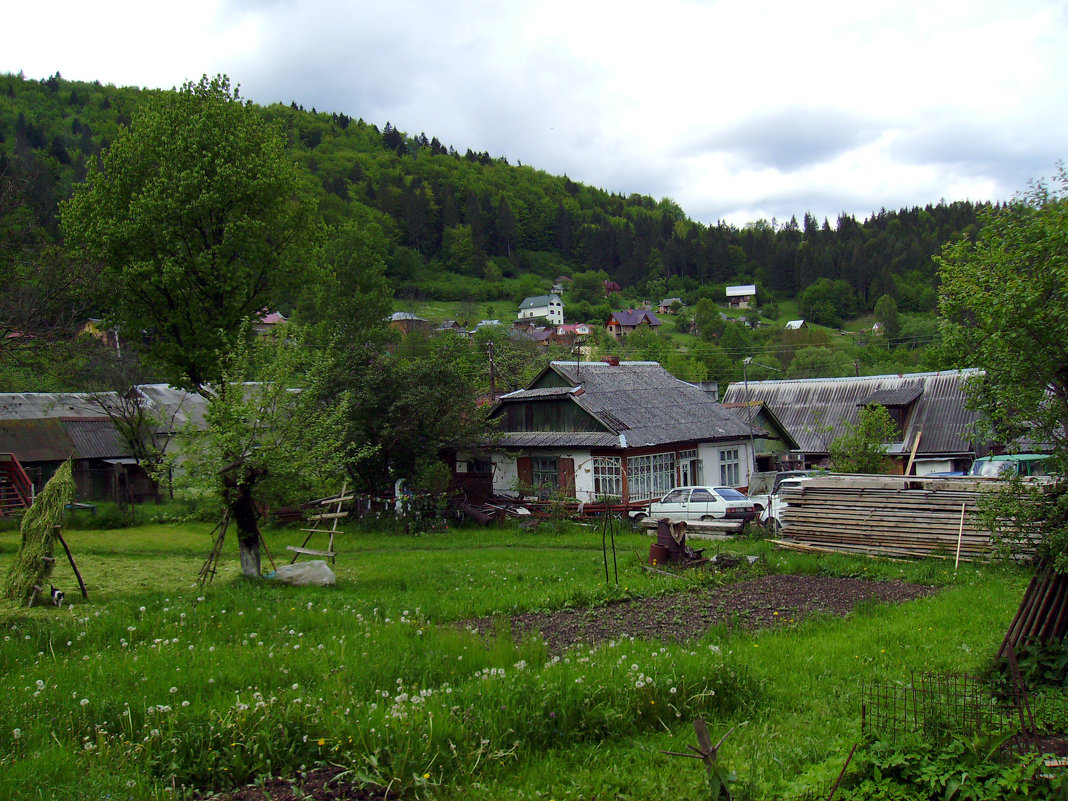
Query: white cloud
{"points": [[735, 110]]}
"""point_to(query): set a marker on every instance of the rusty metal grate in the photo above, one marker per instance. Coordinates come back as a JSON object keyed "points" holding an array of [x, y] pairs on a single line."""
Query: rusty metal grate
{"points": [[936, 705]]}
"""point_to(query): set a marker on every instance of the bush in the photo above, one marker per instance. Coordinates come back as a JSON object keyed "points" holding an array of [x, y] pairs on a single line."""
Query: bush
{"points": [[959, 768]]}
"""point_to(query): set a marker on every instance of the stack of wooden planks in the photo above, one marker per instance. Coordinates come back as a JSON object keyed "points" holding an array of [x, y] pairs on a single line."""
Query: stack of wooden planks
{"points": [[895, 516]]}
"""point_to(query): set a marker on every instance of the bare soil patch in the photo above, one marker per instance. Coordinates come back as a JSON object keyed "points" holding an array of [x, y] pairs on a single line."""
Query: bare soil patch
{"points": [[328, 783], [757, 603]]}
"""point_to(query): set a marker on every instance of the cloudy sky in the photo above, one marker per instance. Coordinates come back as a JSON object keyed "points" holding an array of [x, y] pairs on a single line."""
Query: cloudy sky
{"points": [[737, 110]]}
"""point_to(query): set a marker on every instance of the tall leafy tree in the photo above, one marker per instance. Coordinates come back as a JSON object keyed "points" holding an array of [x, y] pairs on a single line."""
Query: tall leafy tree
{"points": [[1004, 306], [887, 316], [197, 218]]}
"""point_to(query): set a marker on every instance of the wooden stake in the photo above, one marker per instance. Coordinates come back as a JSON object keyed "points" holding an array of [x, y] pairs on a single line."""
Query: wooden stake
{"points": [[70, 559], [960, 535]]}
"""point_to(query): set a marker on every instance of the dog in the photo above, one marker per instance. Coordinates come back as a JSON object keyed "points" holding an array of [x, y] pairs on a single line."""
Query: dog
{"points": [[57, 597]]}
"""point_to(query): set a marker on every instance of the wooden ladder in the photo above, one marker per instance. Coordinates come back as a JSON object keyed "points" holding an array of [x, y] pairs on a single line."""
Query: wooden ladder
{"points": [[333, 517]]}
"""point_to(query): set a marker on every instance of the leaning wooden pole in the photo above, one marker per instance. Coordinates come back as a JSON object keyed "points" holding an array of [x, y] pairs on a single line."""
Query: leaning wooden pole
{"points": [[1043, 612], [70, 558]]}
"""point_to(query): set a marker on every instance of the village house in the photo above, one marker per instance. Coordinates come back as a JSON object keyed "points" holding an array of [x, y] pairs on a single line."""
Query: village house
{"points": [[450, 325], [610, 287], [41, 430], [571, 333], [406, 322], [933, 421], [774, 446], [626, 431], [267, 322], [624, 322], [667, 305], [548, 307], [742, 296]]}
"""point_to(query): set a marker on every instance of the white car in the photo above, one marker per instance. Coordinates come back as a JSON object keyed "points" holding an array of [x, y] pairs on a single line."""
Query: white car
{"points": [[702, 503], [771, 517]]}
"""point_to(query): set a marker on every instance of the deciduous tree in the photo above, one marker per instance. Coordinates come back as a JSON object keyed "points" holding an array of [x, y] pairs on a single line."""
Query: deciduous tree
{"points": [[198, 218], [863, 446], [1004, 306]]}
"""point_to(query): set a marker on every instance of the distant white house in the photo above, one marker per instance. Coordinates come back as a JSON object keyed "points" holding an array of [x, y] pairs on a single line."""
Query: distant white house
{"points": [[548, 307], [742, 296], [796, 325]]}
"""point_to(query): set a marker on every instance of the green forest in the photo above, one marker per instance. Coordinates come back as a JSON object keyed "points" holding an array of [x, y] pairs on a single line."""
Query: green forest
{"points": [[471, 234]]}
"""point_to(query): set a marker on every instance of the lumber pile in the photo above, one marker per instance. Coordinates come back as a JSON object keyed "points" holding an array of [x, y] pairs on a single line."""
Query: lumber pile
{"points": [[895, 516]]}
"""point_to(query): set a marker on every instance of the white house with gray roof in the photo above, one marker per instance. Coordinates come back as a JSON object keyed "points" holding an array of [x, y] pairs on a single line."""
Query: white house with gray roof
{"points": [[549, 307], [629, 431]]}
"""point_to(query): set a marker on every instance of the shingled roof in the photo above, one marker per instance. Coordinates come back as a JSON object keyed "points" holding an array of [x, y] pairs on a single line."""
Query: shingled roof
{"points": [[936, 403], [637, 404], [634, 317]]}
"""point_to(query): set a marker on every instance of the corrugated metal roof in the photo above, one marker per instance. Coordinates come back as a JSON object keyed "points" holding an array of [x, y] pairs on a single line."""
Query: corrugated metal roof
{"points": [[41, 440], [173, 407], [44, 405], [96, 439], [741, 290], [892, 397], [806, 405]]}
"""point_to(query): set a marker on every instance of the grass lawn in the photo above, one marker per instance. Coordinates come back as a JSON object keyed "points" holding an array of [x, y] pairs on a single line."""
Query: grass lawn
{"points": [[154, 683]]}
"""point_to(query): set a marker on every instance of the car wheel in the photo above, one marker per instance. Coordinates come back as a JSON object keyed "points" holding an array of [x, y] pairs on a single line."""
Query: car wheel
{"points": [[638, 519], [707, 519]]}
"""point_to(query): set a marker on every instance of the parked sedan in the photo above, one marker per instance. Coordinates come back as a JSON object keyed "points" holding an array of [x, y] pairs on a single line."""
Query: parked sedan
{"points": [[703, 503]]}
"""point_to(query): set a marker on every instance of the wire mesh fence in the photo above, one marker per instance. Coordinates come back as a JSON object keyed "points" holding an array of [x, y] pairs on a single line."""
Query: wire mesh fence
{"points": [[940, 705]]}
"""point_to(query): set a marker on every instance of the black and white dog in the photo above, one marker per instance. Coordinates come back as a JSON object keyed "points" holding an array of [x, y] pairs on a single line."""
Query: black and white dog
{"points": [[57, 597]]}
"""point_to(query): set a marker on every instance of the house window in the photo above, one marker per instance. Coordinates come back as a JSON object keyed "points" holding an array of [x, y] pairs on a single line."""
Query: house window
{"points": [[690, 468], [546, 478], [729, 467], [650, 476], [608, 477]]}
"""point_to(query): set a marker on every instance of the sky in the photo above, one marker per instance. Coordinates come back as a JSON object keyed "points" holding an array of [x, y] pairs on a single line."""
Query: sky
{"points": [[738, 111]]}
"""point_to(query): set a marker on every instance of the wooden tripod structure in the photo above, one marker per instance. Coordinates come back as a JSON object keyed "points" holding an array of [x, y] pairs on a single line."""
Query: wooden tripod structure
{"points": [[37, 588], [207, 572], [211, 564]]}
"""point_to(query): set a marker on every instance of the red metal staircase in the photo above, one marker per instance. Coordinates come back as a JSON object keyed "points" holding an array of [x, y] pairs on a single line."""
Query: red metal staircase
{"points": [[16, 490]]}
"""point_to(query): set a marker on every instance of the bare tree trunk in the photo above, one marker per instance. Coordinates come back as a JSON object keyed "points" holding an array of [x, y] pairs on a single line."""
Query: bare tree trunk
{"points": [[250, 556], [246, 518]]}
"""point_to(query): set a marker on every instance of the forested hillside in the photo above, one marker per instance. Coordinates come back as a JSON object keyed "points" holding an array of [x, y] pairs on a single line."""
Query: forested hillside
{"points": [[470, 226]]}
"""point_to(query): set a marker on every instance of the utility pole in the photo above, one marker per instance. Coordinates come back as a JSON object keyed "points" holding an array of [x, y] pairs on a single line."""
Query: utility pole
{"points": [[493, 374], [749, 415]]}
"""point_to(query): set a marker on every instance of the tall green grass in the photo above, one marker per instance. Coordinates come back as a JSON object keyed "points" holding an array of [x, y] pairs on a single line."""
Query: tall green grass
{"points": [[155, 683]]}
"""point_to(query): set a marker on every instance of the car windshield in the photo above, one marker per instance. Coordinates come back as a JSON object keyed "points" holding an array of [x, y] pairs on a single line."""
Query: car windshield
{"points": [[986, 467], [729, 494]]}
